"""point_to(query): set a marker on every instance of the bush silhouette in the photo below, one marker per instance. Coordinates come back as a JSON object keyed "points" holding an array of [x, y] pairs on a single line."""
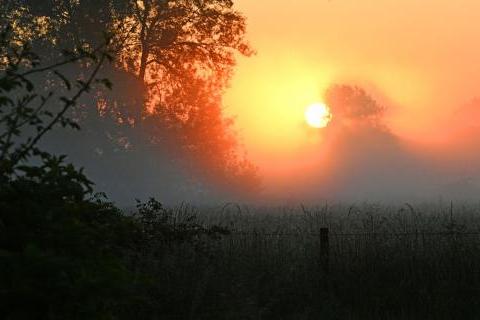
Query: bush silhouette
{"points": [[66, 253]]}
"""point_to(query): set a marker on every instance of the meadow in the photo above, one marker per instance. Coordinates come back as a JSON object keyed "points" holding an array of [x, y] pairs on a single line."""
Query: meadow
{"points": [[382, 262]]}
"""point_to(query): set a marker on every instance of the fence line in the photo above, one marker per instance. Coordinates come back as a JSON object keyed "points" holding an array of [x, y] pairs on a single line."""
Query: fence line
{"points": [[317, 234], [331, 243]]}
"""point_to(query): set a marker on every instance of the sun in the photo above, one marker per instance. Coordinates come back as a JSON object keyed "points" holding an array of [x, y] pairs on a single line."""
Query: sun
{"points": [[318, 115]]}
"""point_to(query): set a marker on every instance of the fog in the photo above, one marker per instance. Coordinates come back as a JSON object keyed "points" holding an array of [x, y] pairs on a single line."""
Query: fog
{"points": [[363, 160], [422, 68], [359, 159]]}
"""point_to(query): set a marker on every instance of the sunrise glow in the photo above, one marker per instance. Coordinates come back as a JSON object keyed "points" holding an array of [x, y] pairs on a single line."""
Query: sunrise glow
{"points": [[318, 115]]}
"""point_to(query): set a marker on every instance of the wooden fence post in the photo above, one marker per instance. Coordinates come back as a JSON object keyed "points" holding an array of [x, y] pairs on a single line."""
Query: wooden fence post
{"points": [[324, 250]]}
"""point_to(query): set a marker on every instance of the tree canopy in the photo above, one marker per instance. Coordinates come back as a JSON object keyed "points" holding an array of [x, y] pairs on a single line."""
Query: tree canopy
{"points": [[177, 58]]}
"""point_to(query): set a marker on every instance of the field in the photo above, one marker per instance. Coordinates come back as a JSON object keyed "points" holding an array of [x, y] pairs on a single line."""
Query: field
{"points": [[380, 262]]}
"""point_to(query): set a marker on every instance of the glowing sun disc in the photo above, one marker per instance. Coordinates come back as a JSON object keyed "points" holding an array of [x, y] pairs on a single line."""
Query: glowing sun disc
{"points": [[318, 115]]}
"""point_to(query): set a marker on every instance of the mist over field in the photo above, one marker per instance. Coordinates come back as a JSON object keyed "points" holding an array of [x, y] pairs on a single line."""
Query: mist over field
{"points": [[358, 160], [422, 145]]}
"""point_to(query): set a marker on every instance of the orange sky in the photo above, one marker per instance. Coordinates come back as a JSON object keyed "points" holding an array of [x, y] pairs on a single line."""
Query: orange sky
{"points": [[420, 58]]}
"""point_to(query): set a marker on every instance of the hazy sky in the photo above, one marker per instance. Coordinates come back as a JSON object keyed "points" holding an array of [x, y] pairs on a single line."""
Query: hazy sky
{"points": [[420, 58]]}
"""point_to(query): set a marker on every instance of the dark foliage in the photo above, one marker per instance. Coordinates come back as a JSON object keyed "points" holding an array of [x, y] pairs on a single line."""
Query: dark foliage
{"points": [[61, 253], [65, 254]]}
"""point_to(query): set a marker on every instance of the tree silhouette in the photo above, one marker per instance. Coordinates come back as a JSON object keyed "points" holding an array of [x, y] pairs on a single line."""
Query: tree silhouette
{"points": [[182, 54], [183, 37], [353, 102]]}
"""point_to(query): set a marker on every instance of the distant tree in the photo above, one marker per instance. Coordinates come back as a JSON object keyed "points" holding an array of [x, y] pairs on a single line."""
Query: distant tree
{"points": [[353, 102]]}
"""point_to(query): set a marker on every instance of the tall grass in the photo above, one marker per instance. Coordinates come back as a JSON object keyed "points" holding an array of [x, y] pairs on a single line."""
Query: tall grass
{"points": [[386, 262]]}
